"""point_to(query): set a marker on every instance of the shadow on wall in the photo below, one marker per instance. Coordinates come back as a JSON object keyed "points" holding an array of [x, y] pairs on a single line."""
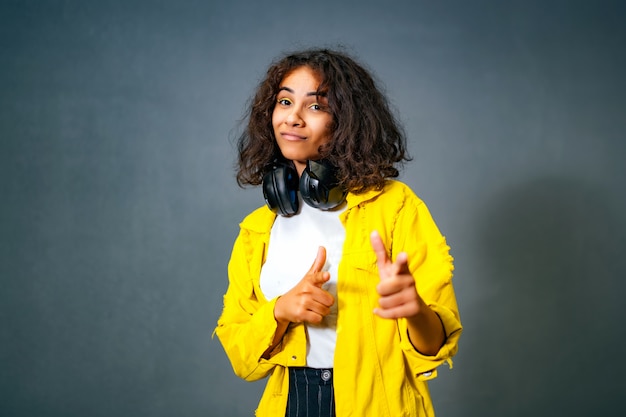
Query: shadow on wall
{"points": [[549, 338]]}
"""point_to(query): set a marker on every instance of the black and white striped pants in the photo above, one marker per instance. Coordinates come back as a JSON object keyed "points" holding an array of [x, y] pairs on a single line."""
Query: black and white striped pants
{"points": [[310, 393]]}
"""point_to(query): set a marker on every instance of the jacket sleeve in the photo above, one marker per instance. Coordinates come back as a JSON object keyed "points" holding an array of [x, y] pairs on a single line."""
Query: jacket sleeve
{"points": [[431, 265], [246, 326]]}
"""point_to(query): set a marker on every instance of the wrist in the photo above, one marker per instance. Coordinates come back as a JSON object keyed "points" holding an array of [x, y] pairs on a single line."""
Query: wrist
{"points": [[281, 320]]}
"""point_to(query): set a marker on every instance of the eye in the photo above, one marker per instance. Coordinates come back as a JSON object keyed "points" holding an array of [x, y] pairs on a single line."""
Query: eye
{"points": [[319, 107], [284, 101]]}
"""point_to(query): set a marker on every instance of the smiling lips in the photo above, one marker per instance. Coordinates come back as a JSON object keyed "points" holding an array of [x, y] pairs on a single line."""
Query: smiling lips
{"points": [[292, 136]]}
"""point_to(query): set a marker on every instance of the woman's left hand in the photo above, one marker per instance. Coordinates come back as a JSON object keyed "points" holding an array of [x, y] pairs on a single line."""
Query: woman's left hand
{"points": [[399, 299], [398, 294]]}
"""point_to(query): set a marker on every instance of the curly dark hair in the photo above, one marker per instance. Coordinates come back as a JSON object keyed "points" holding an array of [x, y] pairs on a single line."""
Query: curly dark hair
{"points": [[367, 142]]}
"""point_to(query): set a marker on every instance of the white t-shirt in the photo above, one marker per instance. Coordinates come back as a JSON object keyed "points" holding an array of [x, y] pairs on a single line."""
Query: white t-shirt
{"points": [[293, 246]]}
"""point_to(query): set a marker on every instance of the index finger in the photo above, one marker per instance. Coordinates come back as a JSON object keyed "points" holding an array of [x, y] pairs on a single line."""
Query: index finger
{"points": [[320, 260], [379, 247]]}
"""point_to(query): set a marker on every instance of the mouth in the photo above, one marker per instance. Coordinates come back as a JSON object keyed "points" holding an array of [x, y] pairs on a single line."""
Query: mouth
{"points": [[292, 136]]}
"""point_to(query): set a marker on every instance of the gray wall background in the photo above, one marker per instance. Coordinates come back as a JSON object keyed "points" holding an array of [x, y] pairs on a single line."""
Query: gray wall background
{"points": [[119, 206]]}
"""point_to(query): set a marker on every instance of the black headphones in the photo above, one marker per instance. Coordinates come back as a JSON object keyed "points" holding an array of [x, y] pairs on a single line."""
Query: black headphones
{"points": [[317, 185]]}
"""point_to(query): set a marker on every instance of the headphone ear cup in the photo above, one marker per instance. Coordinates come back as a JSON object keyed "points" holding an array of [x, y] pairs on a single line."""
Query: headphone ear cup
{"points": [[280, 189], [318, 186]]}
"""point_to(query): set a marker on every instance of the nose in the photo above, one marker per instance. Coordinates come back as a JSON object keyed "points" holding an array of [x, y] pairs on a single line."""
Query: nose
{"points": [[294, 118]]}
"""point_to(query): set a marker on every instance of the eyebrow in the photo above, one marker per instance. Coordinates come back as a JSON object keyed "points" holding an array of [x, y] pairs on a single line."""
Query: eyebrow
{"points": [[311, 93]]}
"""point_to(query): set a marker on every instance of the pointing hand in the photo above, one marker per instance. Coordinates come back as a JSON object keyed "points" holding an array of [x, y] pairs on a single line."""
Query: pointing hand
{"points": [[398, 294], [307, 301]]}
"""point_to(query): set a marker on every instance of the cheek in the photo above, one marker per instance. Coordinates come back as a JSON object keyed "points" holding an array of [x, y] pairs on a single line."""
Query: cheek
{"points": [[327, 129], [275, 119]]}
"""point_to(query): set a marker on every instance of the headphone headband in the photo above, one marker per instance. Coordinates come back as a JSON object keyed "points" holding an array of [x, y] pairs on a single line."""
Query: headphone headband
{"points": [[318, 186]]}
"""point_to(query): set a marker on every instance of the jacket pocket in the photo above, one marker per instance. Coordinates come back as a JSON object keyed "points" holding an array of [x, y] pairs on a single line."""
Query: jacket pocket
{"points": [[364, 260]]}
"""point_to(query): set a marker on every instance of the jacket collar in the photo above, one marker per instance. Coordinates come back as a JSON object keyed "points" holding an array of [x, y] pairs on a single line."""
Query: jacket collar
{"points": [[262, 219], [259, 221], [354, 200]]}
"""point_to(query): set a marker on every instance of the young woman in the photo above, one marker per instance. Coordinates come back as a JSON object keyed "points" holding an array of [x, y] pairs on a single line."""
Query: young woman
{"points": [[340, 286]]}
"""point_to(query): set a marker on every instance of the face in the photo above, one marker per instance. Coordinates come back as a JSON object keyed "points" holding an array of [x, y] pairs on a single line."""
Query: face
{"points": [[301, 119]]}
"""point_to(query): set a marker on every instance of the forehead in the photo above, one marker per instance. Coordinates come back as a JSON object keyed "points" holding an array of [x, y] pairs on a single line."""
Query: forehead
{"points": [[303, 75]]}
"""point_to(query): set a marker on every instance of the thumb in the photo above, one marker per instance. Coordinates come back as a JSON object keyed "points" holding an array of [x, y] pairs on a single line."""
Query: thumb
{"points": [[402, 262]]}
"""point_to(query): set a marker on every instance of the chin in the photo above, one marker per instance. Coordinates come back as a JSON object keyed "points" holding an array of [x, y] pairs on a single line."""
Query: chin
{"points": [[297, 156]]}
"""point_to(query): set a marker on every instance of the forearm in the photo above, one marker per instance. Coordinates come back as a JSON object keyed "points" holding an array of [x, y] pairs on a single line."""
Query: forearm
{"points": [[281, 329], [426, 330], [246, 333]]}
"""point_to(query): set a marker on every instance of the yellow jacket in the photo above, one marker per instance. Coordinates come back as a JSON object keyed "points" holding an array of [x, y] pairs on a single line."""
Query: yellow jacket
{"points": [[377, 371]]}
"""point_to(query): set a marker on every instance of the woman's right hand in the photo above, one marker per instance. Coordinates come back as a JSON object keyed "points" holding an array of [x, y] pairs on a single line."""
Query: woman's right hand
{"points": [[307, 301]]}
